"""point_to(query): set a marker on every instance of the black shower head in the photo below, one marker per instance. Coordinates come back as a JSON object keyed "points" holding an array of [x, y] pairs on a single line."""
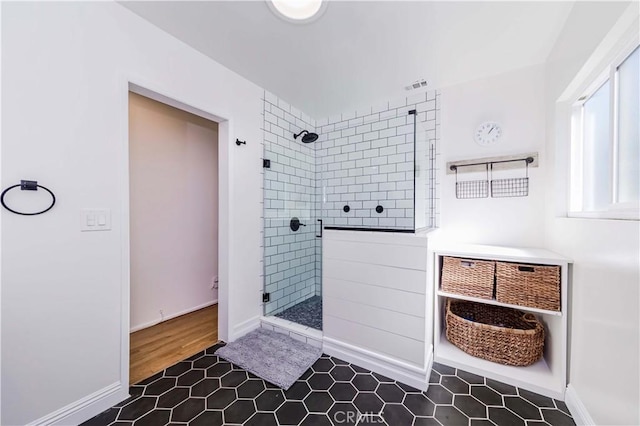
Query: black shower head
{"points": [[308, 137]]}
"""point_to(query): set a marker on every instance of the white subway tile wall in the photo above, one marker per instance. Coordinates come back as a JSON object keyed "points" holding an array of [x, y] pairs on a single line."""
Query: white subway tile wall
{"points": [[289, 191], [365, 159], [362, 159]]}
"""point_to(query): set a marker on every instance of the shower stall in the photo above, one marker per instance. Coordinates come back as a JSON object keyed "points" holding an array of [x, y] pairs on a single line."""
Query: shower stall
{"points": [[372, 171]]}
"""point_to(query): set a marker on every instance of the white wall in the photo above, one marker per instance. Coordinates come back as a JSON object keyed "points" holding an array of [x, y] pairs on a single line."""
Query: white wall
{"points": [[605, 320], [64, 123], [516, 101], [173, 171]]}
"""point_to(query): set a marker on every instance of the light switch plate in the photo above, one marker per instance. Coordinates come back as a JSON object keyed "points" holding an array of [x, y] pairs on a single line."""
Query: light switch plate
{"points": [[95, 220]]}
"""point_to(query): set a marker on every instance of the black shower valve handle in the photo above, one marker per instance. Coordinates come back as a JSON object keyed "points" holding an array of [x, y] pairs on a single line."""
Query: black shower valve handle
{"points": [[295, 224]]}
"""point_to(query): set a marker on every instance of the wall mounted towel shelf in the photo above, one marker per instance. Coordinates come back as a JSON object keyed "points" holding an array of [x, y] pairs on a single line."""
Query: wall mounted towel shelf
{"points": [[497, 188], [504, 162]]}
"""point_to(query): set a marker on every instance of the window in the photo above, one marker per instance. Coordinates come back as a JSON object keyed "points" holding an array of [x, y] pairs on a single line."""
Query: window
{"points": [[605, 143]]}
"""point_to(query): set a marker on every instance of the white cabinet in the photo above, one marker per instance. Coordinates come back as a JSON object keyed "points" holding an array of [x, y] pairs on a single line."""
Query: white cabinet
{"points": [[548, 376]]}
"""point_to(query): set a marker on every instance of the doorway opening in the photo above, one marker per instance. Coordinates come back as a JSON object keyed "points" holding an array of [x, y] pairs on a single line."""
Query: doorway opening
{"points": [[173, 230]]}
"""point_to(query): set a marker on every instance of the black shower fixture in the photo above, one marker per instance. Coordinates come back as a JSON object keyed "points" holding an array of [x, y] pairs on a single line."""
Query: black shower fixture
{"points": [[308, 138]]}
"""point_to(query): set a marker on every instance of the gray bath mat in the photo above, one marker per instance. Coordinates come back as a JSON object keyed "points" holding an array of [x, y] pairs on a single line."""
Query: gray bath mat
{"points": [[272, 356]]}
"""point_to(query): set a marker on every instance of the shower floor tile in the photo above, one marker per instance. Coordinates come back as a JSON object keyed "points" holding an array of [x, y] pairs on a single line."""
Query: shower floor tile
{"points": [[307, 313]]}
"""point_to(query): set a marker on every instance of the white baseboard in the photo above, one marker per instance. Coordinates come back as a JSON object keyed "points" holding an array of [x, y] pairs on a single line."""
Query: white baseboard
{"points": [[244, 328], [577, 409], [85, 408], [172, 316], [381, 364]]}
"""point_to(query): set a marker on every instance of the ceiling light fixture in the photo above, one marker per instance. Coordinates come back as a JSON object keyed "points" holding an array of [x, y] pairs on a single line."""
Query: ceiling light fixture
{"points": [[297, 11]]}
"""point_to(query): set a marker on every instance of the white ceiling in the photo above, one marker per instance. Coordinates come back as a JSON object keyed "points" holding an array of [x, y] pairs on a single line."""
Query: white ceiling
{"points": [[358, 53]]}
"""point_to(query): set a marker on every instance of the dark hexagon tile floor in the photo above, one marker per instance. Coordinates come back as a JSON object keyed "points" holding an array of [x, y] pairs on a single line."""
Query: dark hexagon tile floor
{"points": [[205, 390]]}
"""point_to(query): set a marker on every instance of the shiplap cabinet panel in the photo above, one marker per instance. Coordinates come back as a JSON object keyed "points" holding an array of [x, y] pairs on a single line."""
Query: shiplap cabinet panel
{"points": [[376, 340], [381, 318], [409, 280], [374, 293], [396, 255]]}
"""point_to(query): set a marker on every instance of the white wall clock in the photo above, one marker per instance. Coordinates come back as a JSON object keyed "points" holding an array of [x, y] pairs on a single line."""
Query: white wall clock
{"points": [[488, 133]]}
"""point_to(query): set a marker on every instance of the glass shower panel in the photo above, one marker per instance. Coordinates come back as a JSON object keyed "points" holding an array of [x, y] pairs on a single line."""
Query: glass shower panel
{"points": [[425, 175], [377, 171], [319, 220], [421, 176], [290, 261]]}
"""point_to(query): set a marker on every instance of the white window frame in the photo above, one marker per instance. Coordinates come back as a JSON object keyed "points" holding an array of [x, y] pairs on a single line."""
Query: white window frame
{"points": [[615, 209]]}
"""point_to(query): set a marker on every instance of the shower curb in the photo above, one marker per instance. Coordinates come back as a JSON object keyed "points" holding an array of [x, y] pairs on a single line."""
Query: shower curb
{"points": [[299, 332]]}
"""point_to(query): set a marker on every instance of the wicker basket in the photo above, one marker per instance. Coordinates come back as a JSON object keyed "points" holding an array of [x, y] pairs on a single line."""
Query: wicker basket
{"points": [[468, 277], [503, 335], [534, 286]]}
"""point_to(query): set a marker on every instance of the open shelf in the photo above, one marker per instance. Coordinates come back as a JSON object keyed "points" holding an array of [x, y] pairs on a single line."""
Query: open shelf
{"points": [[496, 303], [537, 377], [548, 376]]}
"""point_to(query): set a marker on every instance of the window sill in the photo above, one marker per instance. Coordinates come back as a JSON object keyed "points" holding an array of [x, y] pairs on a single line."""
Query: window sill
{"points": [[606, 215]]}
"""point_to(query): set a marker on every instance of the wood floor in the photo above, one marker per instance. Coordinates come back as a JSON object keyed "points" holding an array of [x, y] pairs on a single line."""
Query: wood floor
{"points": [[156, 348]]}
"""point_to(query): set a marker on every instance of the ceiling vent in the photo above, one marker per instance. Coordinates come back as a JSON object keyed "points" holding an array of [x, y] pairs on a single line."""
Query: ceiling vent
{"points": [[418, 84]]}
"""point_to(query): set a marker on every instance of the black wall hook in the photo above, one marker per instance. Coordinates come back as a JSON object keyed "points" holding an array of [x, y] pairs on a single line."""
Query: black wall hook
{"points": [[239, 142]]}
